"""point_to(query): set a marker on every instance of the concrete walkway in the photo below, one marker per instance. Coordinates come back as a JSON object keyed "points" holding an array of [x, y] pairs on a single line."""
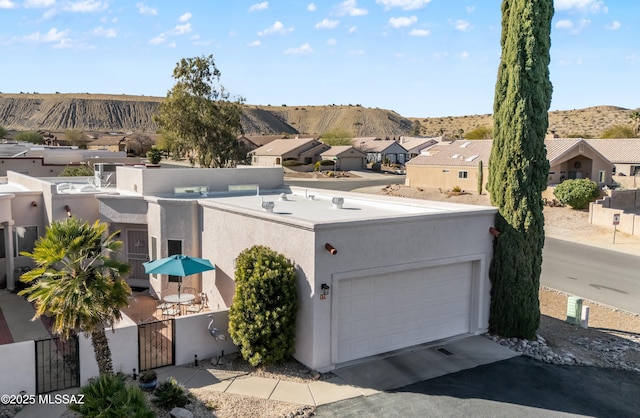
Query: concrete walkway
{"points": [[16, 310]]}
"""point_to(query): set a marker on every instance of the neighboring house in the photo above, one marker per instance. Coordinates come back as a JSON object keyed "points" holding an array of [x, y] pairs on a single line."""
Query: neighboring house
{"points": [[623, 153], [303, 150], [129, 143], [416, 144], [252, 142], [381, 150], [346, 157], [447, 165], [398, 273], [450, 164], [109, 143]]}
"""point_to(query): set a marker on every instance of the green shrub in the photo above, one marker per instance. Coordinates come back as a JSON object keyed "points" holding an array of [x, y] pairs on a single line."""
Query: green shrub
{"points": [[108, 396], [262, 316], [75, 171], [291, 163], [327, 162], [169, 394], [576, 193], [29, 136], [154, 155], [376, 166]]}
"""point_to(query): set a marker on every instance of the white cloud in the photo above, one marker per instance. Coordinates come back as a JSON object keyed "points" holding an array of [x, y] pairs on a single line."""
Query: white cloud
{"points": [[399, 22], [302, 50], [564, 24], [403, 4], [420, 32], [470, 9], [107, 33], [87, 6], [353, 29], [172, 44], [350, 8], [146, 10], [615, 25], [7, 4], [54, 35], [276, 28], [331, 41], [36, 4], [259, 6], [254, 43], [327, 24], [355, 52], [185, 17], [311, 7], [574, 28], [158, 39], [182, 29], [464, 55], [593, 6], [461, 25]]}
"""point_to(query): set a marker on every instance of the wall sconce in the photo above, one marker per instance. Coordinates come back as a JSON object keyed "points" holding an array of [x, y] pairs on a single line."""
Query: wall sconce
{"points": [[330, 248], [68, 209], [34, 204], [325, 290]]}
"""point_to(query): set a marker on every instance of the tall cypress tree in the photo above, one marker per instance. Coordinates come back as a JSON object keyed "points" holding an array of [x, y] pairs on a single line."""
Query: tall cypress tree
{"points": [[518, 166]]}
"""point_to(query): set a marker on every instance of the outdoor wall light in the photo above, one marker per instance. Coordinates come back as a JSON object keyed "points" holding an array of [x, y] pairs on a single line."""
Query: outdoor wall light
{"points": [[68, 209], [325, 289], [330, 248]]}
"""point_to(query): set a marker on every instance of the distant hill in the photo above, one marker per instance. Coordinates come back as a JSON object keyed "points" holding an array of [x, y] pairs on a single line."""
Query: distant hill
{"points": [[105, 113]]}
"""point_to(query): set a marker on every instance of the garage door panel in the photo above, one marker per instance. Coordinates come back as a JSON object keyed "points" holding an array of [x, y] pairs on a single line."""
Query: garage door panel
{"points": [[386, 312]]}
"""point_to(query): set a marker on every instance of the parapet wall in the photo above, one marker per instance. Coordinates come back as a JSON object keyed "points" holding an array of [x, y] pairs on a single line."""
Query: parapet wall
{"points": [[619, 202]]}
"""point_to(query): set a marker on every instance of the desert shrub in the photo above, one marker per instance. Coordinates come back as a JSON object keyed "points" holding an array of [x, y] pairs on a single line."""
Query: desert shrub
{"points": [[76, 171], [376, 166], [3, 132], [456, 189], [108, 396], [154, 155], [262, 316], [481, 132], [619, 131], [169, 394], [291, 163], [576, 193], [30, 136]]}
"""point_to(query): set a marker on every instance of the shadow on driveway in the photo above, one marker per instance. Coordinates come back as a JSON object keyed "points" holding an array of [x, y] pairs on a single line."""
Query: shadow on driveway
{"points": [[519, 386]]}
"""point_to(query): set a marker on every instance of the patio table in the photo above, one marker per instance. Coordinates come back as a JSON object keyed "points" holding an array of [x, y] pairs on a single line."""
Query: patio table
{"points": [[182, 298]]}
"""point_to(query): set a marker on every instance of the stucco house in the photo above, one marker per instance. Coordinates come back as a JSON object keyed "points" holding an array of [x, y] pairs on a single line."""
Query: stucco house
{"points": [[381, 150], [416, 144], [450, 164], [252, 142], [375, 273], [303, 150], [623, 153], [346, 157]]}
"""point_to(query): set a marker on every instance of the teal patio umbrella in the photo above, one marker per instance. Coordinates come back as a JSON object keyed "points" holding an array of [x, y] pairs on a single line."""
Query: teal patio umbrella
{"points": [[178, 265]]}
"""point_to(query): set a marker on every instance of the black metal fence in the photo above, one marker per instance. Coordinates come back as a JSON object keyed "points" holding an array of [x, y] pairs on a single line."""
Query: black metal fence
{"points": [[156, 345], [57, 364]]}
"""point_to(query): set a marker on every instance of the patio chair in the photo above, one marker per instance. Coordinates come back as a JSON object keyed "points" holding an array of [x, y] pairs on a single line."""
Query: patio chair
{"points": [[162, 306], [172, 311]]}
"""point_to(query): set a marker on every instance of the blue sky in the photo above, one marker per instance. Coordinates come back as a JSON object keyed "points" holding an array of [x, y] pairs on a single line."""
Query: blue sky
{"points": [[422, 58]]}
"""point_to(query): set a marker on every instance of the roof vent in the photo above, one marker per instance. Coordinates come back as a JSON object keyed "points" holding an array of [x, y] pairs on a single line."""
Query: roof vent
{"points": [[283, 196], [268, 205], [337, 202]]}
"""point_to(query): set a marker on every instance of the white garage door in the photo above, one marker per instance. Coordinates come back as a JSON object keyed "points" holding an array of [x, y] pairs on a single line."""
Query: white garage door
{"points": [[376, 314]]}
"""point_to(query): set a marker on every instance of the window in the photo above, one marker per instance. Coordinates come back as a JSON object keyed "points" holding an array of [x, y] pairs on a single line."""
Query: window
{"points": [[26, 237], [2, 248], [601, 176], [462, 174], [174, 247]]}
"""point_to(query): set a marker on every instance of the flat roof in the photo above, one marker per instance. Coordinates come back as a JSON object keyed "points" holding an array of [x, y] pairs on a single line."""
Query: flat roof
{"points": [[316, 205]]}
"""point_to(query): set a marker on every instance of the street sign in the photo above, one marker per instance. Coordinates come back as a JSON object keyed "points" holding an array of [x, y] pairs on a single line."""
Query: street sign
{"points": [[616, 219]]}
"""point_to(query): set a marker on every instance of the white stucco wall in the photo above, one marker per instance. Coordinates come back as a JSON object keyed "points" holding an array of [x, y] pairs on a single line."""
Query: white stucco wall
{"points": [[17, 364]]}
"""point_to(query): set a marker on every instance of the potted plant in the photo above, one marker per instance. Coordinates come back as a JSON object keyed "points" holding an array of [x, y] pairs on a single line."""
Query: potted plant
{"points": [[154, 156], [148, 379]]}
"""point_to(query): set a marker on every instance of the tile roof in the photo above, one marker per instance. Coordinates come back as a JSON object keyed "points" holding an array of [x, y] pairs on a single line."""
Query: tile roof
{"points": [[260, 140], [373, 144], [558, 146], [282, 146], [617, 150], [415, 144], [338, 150], [456, 153]]}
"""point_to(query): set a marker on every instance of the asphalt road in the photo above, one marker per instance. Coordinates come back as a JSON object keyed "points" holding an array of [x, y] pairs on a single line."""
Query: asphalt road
{"points": [[519, 387], [601, 275]]}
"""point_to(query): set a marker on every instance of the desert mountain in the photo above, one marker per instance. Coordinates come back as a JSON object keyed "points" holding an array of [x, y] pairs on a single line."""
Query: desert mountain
{"points": [[104, 113]]}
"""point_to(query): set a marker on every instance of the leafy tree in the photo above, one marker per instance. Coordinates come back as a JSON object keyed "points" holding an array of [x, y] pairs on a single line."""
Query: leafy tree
{"points": [[76, 171], [576, 193], [78, 283], [3, 132], [199, 112], [481, 132], [262, 316], [518, 166], [76, 137], [618, 131], [480, 177], [336, 137], [417, 128], [635, 117], [139, 144], [30, 136]]}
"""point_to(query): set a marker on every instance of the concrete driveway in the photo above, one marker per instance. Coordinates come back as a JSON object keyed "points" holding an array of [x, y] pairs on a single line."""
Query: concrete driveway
{"points": [[516, 387]]}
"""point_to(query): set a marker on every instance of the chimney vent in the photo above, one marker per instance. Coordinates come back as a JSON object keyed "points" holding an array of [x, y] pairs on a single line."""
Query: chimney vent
{"points": [[337, 202]]}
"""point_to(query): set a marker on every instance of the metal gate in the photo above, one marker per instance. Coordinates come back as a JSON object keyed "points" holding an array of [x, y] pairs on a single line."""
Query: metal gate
{"points": [[155, 344], [57, 364]]}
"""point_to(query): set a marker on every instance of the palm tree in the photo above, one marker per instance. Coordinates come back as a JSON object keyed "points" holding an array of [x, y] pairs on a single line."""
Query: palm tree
{"points": [[78, 283]]}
